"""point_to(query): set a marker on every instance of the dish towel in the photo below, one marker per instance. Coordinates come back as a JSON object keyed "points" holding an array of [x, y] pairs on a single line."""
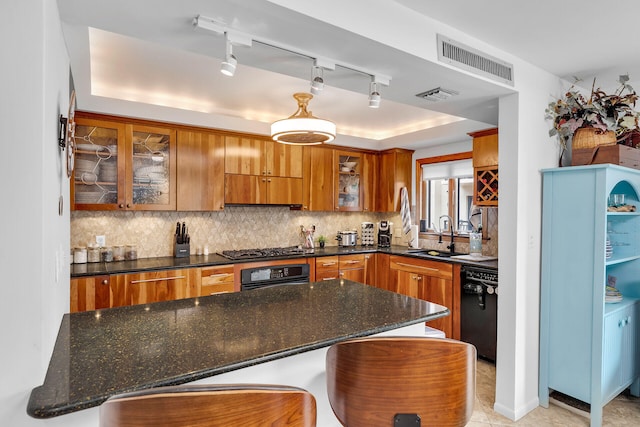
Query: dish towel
{"points": [[405, 210]]}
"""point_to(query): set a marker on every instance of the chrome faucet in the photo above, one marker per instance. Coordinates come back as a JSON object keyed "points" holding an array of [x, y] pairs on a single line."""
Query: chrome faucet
{"points": [[451, 246]]}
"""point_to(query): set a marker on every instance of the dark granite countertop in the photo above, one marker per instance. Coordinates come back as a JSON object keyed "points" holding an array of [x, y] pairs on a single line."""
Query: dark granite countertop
{"points": [[170, 263], [101, 353]]}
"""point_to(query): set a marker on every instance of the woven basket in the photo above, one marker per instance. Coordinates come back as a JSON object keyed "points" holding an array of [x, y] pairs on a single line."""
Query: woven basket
{"points": [[592, 137]]}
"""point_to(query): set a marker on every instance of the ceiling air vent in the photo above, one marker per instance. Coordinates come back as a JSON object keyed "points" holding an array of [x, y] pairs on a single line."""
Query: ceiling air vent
{"points": [[467, 58]]}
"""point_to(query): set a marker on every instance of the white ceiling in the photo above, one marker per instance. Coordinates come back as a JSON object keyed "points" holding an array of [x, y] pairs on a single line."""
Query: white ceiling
{"points": [[147, 54]]}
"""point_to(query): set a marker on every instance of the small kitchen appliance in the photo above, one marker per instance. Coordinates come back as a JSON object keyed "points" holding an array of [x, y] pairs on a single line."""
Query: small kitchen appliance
{"points": [[367, 234], [384, 234], [347, 238]]}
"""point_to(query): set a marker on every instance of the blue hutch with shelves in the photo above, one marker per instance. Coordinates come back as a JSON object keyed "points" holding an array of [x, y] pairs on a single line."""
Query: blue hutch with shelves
{"points": [[589, 347]]}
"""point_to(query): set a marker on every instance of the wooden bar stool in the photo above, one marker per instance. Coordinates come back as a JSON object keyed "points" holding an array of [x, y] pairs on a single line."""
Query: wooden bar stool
{"points": [[401, 382], [211, 406]]}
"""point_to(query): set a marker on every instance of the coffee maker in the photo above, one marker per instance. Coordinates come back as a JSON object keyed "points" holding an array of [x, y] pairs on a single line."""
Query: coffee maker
{"points": [[384, 234]]}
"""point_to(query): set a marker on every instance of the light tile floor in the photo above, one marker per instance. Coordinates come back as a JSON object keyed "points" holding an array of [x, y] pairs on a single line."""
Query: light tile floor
{"points": [[621, 412]]}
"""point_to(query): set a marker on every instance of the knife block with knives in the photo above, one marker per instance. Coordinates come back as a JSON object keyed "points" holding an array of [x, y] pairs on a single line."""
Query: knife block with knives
{"points": [[181, 241]]}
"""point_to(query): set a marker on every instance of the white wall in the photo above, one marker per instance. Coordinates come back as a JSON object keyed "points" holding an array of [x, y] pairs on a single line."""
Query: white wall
{"points": [[34, 90]]}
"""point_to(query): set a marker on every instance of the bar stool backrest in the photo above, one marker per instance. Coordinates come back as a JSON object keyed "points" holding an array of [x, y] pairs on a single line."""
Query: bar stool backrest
{"points": [[401, 381], [211, 406]]}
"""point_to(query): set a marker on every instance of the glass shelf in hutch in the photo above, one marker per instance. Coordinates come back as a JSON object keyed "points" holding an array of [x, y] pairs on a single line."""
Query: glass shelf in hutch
{"points": [[349, 188], [486, 186]]}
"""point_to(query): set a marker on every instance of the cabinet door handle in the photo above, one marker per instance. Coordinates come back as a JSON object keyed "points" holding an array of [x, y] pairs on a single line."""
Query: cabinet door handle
{"points": [[105, 282], [159, 279], [417, 266]]}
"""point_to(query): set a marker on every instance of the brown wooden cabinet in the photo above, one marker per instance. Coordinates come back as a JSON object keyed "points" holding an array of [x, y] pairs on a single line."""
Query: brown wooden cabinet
{"points": [[89, 293], [216, 279], [369, 181], [123, 165], [428, 280], [485, 167], [200, 174], [347, 166], [370, 269], [318, 179], [394, 173], [262, 190], [350, 267], [260, 171], [155, 286]]}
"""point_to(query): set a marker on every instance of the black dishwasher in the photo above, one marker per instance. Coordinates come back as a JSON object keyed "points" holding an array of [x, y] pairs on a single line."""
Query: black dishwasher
{"points": [[479, 309]]}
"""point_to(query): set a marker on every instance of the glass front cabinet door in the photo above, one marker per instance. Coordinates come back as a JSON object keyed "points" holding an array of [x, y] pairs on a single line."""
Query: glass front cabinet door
{"points": [[122, 166], [348, 181]]}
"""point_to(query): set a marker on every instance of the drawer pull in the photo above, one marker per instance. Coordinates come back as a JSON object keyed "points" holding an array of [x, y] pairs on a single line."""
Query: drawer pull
{"points": [[159, 279], [329, 278], [417, 266], [220, 275], [351, 262], [327, 264]]}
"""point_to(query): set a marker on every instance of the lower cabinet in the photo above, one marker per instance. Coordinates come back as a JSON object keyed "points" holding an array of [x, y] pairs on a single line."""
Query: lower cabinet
{"points": [[350, 267], [425, 279], [156, 286], [216, 280], [89, 293], [620, 346]]}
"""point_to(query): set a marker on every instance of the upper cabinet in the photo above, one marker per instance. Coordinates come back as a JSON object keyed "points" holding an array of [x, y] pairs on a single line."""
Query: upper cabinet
{"points": [[261, 171], [348, 180], [318, 187], [123, 166], [395, 173], [132, 164], [485, 167], [200, 171]]}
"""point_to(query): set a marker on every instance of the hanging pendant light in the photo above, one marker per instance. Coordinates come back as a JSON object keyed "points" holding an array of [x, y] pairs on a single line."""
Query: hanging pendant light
{"points": [[302, 128]]}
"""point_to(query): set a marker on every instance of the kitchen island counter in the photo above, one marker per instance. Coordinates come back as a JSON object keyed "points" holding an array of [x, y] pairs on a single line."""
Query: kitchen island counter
{"points": [[101, 353]]}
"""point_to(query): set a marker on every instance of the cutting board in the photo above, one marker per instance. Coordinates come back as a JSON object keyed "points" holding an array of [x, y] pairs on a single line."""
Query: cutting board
{"points": [[475, 257]]}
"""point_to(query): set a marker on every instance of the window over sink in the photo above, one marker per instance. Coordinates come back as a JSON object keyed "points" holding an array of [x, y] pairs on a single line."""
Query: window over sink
{"points": [[445, 196]]}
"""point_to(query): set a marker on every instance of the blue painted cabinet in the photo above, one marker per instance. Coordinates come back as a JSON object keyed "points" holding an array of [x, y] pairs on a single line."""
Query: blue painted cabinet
{"points": [[588, 347]]}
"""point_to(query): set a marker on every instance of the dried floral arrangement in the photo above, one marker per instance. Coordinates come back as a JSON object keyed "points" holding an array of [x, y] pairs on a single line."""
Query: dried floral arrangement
{"points": [[615, 112]]}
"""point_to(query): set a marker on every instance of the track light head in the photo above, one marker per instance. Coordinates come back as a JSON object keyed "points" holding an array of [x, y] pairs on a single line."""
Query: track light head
{"points": [[228, 67], [374, 96], [317, 82]]}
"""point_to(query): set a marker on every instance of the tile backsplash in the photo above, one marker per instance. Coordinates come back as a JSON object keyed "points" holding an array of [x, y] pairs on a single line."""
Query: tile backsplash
{"points": [[236, 227]]}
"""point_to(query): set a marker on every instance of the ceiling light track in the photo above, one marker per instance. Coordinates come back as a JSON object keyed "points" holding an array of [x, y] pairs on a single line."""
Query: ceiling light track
{"points": [[201, 22]]}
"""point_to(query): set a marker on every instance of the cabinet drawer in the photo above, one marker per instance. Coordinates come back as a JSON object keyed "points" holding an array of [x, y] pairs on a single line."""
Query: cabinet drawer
{"points": [[217, 275], [217, 288], [327, 275], [328, 263], [442, 270], [351, 261]]}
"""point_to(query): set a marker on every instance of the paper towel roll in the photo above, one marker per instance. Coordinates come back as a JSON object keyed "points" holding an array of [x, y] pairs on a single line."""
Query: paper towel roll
{"points": [[413, 240]]}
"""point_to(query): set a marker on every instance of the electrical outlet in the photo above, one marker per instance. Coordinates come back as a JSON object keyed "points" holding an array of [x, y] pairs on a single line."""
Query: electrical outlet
{"points": [[101, 241]]}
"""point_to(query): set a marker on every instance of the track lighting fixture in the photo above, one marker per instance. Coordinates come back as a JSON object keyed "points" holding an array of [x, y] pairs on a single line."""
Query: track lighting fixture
{"points": [[374, 95], [317, 82], [228, 67]]}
